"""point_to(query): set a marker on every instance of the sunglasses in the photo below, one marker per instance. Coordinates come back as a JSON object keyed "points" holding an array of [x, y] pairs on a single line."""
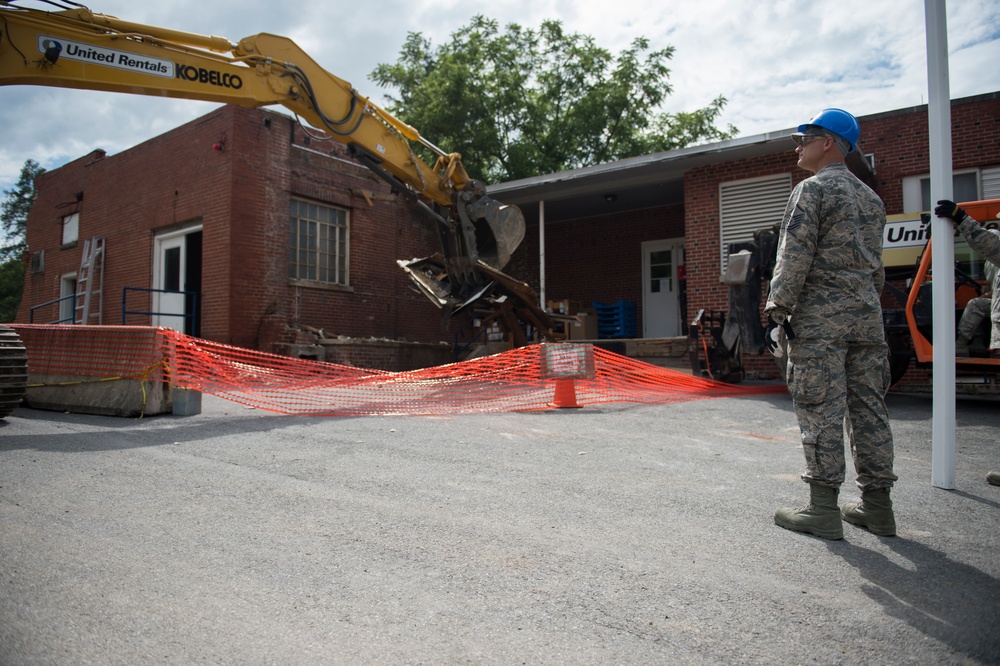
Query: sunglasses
{"points": [[803, 139]]}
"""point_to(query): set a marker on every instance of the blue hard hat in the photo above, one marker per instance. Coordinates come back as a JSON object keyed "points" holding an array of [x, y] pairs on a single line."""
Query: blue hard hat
{"points": [[839, 122]]}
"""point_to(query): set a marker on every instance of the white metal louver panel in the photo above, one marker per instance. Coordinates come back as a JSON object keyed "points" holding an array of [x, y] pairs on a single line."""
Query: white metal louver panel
{"points": [[748, 205], [991, 183]]}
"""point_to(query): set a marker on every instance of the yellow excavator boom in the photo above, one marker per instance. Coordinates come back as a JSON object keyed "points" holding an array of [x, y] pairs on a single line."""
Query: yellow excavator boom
{"points": [[76, 48]]}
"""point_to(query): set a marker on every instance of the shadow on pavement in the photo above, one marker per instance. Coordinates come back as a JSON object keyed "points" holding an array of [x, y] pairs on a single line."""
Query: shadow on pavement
{"points": [[945, 600]]}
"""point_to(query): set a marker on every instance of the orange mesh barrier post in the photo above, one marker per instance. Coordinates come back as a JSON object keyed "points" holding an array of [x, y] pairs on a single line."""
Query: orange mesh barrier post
{"points": [[518, 380]]}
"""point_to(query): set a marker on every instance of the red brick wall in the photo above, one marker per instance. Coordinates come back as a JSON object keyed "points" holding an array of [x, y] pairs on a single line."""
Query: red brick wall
{"points": [[56, 192], [169, 181], [599, 258], [256, 247], [383, 228], [241, 197], [899, 142]]}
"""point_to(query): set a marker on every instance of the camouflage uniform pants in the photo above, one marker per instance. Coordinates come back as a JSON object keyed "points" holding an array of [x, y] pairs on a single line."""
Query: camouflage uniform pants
{"points": [[837, 387], [976, 310]]}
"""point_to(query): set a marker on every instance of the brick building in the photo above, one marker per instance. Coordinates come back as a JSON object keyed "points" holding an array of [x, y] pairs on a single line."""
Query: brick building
{"points": [[206, 208], [652, 229], [640, 227]]}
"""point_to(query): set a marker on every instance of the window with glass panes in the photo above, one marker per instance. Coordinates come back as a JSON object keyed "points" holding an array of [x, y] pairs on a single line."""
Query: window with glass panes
{"points": [[318, 243]]}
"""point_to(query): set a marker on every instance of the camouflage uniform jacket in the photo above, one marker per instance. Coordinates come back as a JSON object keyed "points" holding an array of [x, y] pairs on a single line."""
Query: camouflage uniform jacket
{"points": [[991, 272], [829, 274], [981, 240]]}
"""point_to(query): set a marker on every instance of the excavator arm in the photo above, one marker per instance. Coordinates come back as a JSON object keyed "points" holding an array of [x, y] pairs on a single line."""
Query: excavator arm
{"points": [[76, 48]]}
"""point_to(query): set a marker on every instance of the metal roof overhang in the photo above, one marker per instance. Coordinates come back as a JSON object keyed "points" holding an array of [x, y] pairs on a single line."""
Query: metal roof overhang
{"points": [[631, 184]]}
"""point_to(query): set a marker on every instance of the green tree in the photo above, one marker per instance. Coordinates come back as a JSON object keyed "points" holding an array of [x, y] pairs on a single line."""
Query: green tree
{"points": [[11, 287], [525, 102], [13, 222]]}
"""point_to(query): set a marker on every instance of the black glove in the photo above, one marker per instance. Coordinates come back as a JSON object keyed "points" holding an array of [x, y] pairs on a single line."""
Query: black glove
{"points": [[946, 208]]}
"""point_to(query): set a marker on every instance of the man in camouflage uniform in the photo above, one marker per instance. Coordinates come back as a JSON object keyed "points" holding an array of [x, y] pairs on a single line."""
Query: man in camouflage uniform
{"points": [[986, 244], [825, 293]]}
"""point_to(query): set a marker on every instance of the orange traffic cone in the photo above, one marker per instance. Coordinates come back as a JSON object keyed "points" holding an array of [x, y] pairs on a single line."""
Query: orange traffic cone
{"points": [[565, 394]]}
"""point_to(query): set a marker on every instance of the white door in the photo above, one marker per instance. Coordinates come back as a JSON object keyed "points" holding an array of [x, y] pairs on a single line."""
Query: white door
{"points": [[169, 268], [661, 312], [67, 299]]}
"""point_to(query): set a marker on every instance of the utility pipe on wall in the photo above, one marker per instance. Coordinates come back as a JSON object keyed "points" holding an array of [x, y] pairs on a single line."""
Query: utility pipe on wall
{"points": [[541, 254]]}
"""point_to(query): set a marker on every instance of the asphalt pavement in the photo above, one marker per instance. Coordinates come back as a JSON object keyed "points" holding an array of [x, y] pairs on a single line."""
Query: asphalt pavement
{"points": [[621, 534]]}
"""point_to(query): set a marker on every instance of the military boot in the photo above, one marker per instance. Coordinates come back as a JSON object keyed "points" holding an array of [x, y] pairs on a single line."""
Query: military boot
{"points": [[874, 512], [821, 518], [962, 345]]}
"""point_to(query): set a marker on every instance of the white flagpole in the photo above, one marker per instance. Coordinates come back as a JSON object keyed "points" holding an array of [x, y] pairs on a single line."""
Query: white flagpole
{"points": [[943, 257]]}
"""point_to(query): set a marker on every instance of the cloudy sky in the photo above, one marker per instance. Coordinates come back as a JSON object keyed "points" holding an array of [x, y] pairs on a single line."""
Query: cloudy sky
{"points": [[777, 61]]}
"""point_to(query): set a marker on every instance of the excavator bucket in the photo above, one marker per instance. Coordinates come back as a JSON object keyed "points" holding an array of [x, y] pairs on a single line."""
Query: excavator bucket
{"points": [[486, 233], [490, 230], [499, 230], [474, 252]]}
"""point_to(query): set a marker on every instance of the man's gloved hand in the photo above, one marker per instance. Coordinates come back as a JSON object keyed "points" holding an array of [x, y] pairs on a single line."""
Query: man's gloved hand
{"points": [[950, 209]]}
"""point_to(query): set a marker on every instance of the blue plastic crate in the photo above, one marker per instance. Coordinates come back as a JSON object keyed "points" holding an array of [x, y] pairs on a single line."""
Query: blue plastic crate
{"points": [[615, 320]]}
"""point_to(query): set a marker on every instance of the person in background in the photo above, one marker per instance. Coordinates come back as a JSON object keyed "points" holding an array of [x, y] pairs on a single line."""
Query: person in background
{"points": [[825, 292], [980, 308], [986, 244]]}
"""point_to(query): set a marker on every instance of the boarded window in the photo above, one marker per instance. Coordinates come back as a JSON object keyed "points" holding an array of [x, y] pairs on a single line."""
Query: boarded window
{"points": [[70, 229]]}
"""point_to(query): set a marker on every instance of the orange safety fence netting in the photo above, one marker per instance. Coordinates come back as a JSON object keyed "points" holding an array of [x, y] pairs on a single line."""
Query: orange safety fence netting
{"points": [[507, 382]]}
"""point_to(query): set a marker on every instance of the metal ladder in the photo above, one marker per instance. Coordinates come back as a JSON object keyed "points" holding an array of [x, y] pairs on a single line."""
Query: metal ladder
{"points": [[91, 270]]}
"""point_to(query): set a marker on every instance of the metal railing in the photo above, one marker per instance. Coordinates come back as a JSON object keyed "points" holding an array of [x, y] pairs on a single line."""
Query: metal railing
{"points": [[65, 320], [193, 315]]}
